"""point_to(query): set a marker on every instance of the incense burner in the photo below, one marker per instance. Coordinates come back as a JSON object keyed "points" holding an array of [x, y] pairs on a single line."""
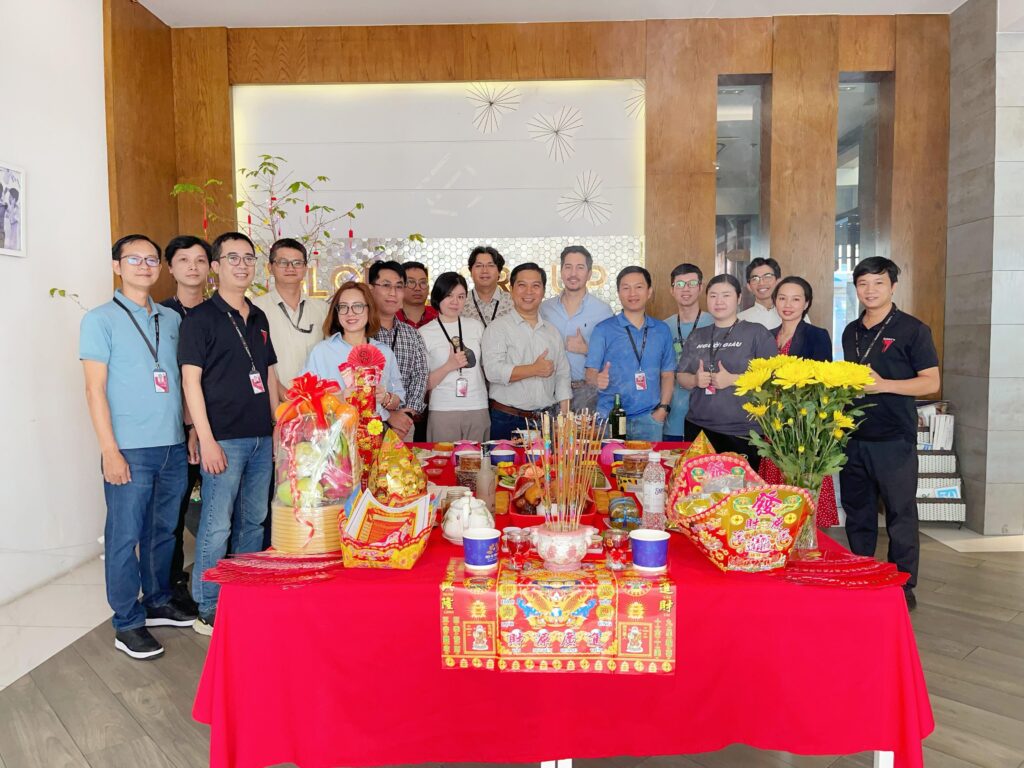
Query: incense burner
{"points": [[561, 550]]}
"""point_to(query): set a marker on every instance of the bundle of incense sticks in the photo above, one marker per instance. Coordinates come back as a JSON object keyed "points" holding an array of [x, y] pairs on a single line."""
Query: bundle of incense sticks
{"points": [[572, 444]]}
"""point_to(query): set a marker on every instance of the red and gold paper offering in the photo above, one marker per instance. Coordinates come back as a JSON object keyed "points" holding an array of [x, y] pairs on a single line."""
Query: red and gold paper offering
{"points": [[589, 620]]}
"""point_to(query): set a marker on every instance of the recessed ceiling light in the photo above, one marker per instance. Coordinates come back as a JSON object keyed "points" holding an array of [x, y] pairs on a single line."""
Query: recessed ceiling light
{"points": [[730, 91], [847, 88]]}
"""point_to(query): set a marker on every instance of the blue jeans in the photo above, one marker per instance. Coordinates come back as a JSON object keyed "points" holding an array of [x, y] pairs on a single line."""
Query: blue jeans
{"points": [[142, 513], [644, 427], [503, 423], [234, 506]]}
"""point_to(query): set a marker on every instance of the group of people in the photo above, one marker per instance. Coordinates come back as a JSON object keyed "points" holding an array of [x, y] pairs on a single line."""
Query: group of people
{"points": [[185, 391]]}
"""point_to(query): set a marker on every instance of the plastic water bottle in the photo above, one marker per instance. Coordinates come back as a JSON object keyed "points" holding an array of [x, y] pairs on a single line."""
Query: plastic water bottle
{"points": [[652, 494]]}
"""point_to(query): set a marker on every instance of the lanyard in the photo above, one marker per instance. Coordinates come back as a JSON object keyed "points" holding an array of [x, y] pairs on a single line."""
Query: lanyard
{"points": [[153, 350], [296, 321], [713, 352], [494, 314], [861, 358], [462, 344], [679, 328], [182, 307], [394, 335], [643, 344], [241, 338]]}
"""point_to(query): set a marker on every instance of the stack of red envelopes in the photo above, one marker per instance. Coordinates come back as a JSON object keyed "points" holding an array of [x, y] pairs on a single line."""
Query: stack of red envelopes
{"points": [[843, 569]]}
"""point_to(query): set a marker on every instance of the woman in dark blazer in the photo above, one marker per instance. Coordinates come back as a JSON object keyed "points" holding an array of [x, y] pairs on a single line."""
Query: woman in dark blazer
{"points": [[797, 337]]}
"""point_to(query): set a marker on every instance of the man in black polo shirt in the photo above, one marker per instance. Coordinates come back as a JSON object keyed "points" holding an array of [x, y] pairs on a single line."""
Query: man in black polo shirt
{"points": [[230, 381], [882, 456]]}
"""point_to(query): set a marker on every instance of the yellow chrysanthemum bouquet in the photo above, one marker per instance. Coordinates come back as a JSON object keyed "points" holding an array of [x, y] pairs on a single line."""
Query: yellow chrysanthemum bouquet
{"points": [[807, 412]]}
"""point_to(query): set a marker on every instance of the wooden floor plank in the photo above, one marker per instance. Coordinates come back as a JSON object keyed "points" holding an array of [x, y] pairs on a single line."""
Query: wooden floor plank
{"points": [[976, 695], [962, 600], [1001, 636], [138, 753], [118, 671], [976, 672], [999, 729], [926, 641], [181, 738], [92, 715], [958, 742], [31, 734]]}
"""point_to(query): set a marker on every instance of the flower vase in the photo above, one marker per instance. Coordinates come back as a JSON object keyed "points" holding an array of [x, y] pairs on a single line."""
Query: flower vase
{"points": [[806, 545]]}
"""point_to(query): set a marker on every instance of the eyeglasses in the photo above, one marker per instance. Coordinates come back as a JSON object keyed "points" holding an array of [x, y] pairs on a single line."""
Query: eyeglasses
{"points": [[484, 265], [416, 283], [235, 259], [355, 309], [134, 261], [390, 286], [284, 264], [686, 283], [763, 278]]}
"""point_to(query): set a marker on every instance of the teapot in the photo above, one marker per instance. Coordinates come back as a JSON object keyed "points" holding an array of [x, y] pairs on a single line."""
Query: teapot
{"points": [[465, 513]]}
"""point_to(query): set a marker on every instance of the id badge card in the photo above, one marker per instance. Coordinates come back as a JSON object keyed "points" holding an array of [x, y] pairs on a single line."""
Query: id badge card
{"points": [[257, 383], [709, 390], [640, 381], [677, 345], [160, 383], [461, 386]]}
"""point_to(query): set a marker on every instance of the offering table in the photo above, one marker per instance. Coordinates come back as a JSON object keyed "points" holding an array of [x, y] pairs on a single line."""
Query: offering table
{"points": [[349, 672]]}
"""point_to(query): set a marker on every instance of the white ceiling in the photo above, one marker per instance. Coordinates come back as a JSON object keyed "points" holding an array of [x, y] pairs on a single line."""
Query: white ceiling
{"points": [[314, 13]]}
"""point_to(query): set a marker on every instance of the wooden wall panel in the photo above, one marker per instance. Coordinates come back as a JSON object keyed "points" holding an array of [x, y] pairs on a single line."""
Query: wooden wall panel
{"points": [[436, 53], [590, 50], [140, 126], [202, 124], [920, 163], [684, 60], [346, 54], [867, 43], [805, 100]]}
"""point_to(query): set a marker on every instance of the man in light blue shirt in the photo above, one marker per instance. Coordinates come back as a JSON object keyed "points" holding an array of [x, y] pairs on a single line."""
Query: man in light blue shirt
{"points": [[687, 280], [129, 353], [575, 313], [631, 356]]}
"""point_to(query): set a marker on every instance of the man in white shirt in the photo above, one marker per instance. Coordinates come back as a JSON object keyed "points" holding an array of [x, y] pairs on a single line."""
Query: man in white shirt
{"points": [[487, 301], [296, 322], [524, 358], [762, 275]]}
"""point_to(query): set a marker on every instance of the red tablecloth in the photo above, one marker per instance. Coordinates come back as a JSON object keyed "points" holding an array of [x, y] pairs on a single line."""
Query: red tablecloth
{"points": [[348, 672]]}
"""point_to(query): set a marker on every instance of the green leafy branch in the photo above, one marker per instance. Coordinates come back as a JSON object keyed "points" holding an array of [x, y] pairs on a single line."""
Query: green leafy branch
{"points": [[63, 293]]}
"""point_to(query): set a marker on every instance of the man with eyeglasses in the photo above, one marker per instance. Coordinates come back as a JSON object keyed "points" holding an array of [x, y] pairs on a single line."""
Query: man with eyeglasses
{"points": [[686, 283], [575, 313], [415, 311], [486, 301], [228, 369], [762, 275], [387, 280], [296, 321], [128, 348]]}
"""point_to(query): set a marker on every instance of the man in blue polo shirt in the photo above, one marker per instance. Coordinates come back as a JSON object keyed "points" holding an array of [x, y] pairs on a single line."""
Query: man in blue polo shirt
{"points": [[631, 356], [128, 348], [576, 313], [228, 370]]}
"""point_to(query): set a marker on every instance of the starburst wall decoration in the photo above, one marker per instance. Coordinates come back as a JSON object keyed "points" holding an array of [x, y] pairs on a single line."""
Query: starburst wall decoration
{"points": [[557, 132], [636, 102], [585, 201], [492, 101]]}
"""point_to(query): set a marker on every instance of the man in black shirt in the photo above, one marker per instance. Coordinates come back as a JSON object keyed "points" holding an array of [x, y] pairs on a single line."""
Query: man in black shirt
{"points": [[188, 258], [882, 455], [228, 369]]}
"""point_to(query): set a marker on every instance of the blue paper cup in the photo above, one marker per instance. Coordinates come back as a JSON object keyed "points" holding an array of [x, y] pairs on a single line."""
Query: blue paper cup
{"points": [[650, 548], [499, 455], [481, 548]]}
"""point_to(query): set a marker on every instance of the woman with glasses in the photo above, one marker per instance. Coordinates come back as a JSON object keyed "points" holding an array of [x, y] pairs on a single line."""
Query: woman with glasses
{"points": [[351, 321], [458, 390]]}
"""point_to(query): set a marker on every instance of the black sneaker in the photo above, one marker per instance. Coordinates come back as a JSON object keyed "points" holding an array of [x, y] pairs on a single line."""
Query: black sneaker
{"points": [[911, 600], [138, 643], [170, 615], [182, 596]]}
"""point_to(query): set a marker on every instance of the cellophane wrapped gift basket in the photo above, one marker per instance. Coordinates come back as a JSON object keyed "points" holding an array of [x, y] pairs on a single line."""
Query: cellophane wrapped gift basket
{"points": [[317, 467]]}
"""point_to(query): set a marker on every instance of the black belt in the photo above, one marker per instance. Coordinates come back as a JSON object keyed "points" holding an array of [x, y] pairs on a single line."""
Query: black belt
{"points": [[501, 407]]}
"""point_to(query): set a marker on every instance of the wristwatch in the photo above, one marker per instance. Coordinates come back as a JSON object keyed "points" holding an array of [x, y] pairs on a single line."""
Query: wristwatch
{"points": [[668, 408]]}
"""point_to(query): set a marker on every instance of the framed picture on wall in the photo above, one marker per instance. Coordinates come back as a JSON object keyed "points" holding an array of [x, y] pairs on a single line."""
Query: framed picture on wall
{"points": [[12, 210]]}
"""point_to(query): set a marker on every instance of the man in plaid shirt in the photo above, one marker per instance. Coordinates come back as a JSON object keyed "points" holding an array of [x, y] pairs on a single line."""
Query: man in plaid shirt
{"points": [[387, 279]]}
